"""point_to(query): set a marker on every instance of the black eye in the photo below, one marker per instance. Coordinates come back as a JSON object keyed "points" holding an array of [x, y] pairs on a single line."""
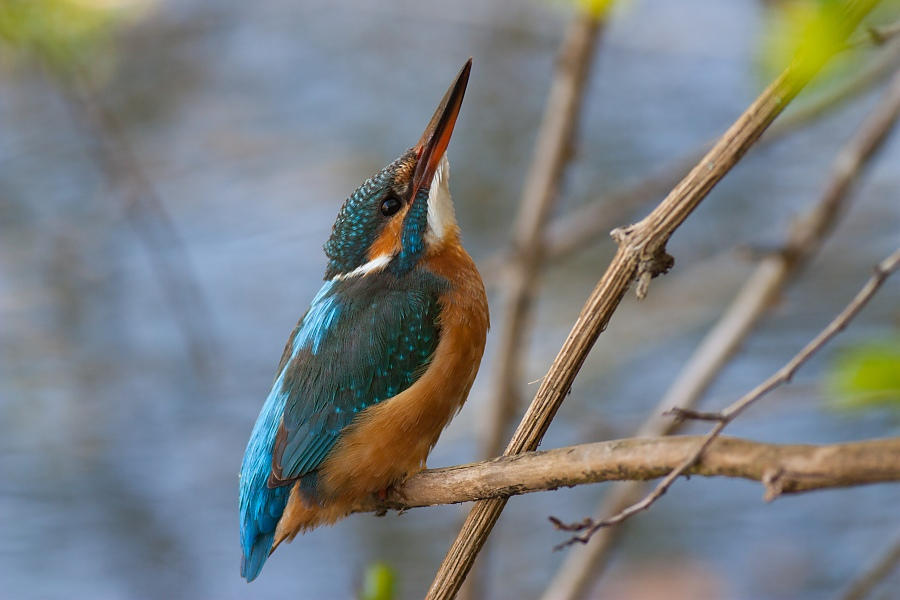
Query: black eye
{"points": [[390, 206]]}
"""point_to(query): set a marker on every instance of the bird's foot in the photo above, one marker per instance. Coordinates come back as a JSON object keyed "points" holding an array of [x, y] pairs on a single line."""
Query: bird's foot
{"points": [[393, 491]]}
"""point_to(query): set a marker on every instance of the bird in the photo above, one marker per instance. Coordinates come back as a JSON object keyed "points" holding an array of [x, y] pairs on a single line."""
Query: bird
{"points": [[381, 361]]}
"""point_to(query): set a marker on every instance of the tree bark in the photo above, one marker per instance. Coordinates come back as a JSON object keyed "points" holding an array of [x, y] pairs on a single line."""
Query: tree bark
{"points": [[782, 468]]}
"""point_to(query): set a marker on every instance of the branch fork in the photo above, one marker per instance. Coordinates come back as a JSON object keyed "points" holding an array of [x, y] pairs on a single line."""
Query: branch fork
{"points": [[625, 267], [776, 482], [652, 257]]}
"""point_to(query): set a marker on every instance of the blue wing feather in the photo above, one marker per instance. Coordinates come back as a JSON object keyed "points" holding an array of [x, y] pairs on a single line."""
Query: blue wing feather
{"points": [[362, 341], [260, 505], [380, 344]]}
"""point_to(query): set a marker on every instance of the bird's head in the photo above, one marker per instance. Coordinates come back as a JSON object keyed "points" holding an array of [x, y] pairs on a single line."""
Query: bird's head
{"points": [[404, 212]]}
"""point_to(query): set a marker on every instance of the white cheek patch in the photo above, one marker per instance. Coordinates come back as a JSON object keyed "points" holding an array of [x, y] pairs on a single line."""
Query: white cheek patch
{"points": [[376, 264], [441, 217]]}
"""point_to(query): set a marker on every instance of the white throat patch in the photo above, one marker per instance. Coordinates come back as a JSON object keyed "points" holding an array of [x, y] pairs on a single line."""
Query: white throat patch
{"points": [[376, 264], [441, 217]]}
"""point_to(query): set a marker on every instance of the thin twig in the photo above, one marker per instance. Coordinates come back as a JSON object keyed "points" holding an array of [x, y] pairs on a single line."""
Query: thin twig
{"points": [[145, 212], [552, 152], [584, 564], [882, 271], [640, 256], [879, 35], [878, 572], [802, 468], [588, 223]]}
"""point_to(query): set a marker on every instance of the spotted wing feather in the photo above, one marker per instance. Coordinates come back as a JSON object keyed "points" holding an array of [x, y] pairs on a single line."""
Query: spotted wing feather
{"points": [[381, 343]]}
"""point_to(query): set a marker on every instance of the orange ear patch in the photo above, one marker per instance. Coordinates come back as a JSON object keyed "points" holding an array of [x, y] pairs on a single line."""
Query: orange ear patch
{"points": [[388, 241]]}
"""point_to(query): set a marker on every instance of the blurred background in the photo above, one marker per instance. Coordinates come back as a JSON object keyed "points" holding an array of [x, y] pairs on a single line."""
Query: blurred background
{"points": [[169, 172]]}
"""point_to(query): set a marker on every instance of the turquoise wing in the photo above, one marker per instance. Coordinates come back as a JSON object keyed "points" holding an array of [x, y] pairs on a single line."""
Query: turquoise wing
{"points": [[362, 341], [378, 346]]}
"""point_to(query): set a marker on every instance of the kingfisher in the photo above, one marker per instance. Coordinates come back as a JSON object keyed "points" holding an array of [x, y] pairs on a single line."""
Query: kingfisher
{"points": [[382, 360]]}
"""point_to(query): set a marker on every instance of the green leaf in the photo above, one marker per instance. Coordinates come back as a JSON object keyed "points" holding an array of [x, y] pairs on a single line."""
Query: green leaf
{"points": [[807, 32], [379, 582], [64, 33], [596, 8], [867, 376]]}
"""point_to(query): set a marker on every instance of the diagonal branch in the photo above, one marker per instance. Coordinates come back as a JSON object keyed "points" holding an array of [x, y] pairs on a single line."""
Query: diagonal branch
{"points": [[868, 580], [773, 485], [802, 467], [585, 563], [144, 210], [552, 152], [641, 255], [576, 229]]}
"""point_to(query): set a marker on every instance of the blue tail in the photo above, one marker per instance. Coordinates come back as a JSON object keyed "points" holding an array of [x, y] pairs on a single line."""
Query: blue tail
{"points": [[258, 524], [261, 506], [252, 563]]}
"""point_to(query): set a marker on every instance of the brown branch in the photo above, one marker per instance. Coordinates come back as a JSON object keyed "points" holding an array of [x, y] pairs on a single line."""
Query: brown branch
{"points": [[800, 468], [886, 563], [882, 271], [641, 255], [585, 563], [552, 152], [587, 224]]}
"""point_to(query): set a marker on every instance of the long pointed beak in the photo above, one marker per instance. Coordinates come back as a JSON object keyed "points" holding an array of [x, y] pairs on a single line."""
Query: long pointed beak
{"points": [[434, 141]]}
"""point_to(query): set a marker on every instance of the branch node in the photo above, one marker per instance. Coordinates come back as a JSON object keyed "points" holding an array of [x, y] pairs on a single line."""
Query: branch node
{"points": [[620, 235], [654, 262], [653, 259], [773, 481], [576, 526], [875, 36]]}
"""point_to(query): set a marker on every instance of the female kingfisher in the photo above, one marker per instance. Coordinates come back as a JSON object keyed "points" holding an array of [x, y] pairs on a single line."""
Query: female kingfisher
{"points": [[383, 358]]}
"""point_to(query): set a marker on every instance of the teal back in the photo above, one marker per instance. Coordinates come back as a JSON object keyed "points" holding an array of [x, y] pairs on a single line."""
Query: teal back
{"points": [[362, 341], [381, 341]]}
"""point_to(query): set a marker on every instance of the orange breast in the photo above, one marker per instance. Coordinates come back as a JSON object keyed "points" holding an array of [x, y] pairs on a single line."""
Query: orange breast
{"points": [[391, 440]]}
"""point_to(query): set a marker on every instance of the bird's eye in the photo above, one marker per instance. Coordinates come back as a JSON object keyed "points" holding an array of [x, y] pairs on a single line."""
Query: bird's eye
{"points": [[390, 206]]}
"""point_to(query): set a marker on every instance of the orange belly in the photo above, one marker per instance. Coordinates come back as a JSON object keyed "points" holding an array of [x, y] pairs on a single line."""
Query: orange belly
{"points": [[390, 441]]}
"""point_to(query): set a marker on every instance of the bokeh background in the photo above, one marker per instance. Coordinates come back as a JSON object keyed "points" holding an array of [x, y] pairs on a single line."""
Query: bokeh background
{"points": [[139, 332]]}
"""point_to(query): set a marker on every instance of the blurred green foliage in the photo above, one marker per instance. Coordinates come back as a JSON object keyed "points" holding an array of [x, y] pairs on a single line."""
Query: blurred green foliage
{"points": [[810, 26], [379, 582], [63, 33], [867, 376], [597, 8], [811, 31]]}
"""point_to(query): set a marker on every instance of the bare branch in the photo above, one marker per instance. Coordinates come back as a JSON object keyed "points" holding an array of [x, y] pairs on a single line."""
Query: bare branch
{"points": [[773, 484], [641, 255], [144, 210], [587, 224], [801, 468], [552, 152], [585, 563], [886, 563]]}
